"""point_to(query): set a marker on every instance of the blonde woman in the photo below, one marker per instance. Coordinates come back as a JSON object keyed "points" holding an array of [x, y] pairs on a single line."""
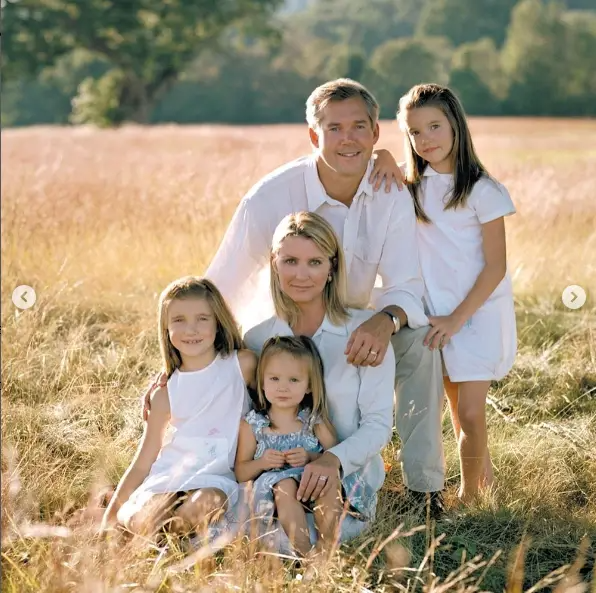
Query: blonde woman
{"points": [[308, 288], [184, 476]]}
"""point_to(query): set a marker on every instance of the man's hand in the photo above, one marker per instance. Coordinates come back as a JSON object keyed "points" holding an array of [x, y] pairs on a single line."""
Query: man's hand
{"points": [[318, 477], [297, 457], [369, 342], [160, 380], [442, 330], [272, 459]]}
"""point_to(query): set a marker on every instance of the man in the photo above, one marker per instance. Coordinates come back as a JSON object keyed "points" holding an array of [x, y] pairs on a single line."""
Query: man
{"points": [[378, 234]]}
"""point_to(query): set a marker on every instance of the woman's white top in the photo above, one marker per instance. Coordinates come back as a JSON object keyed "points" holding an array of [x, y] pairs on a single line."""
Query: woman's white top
{"points": [[200, 446], [451, 258], [359, 399]]}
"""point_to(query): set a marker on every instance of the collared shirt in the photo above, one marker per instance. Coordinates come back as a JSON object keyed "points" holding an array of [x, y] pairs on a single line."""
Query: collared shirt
{"points": [[359, 399], [377, 232]]}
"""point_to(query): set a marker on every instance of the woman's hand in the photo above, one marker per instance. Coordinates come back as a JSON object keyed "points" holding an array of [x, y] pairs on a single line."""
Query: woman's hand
{"points": [[297, 457], [160, 380], [385, 167], [318, 477], [273, 459], [442, 330]]}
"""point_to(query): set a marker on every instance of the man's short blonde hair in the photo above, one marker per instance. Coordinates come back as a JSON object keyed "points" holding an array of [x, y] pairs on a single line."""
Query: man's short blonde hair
{"points": [[339, 90]]}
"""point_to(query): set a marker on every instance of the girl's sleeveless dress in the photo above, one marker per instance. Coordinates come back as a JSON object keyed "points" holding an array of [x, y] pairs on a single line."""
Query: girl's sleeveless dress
{"points": [[361, 496], [200, 447]]}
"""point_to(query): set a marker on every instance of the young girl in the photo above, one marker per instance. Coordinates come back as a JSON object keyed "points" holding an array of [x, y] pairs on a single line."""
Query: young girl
{"points": [[461, 236], [291, 429], [182, 472]]}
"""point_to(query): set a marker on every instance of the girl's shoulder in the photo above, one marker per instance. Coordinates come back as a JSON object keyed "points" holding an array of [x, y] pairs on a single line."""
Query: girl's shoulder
{"points": [[247, 360], [490, 199], [257, 420]]}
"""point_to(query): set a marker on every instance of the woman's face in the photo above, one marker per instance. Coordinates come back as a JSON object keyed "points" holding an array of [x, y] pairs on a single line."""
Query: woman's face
{"points": [[303, 269]]}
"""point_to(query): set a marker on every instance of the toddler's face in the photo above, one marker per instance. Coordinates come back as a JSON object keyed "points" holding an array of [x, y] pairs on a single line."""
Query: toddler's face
{"points": [[285, 380], [192, 326]]}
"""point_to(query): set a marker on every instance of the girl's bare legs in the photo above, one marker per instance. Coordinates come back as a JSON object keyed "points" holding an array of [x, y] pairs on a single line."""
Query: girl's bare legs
{"points": [[152, 516], [476, 400], [201, 508], [327, 513], [291, 515]]}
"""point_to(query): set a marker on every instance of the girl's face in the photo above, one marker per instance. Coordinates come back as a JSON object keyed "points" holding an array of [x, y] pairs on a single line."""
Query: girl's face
{"points": [[303, 269], [192, 326], [285, 380], [432, 137]]}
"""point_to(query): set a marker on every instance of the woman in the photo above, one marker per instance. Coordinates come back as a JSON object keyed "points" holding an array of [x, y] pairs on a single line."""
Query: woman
{"points": [[308, 287]]}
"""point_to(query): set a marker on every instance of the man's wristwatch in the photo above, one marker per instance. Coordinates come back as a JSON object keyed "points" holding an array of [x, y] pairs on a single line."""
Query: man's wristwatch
{"points": [[394, 320]]}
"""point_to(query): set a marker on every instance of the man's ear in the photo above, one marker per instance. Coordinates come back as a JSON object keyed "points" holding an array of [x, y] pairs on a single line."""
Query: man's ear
{"points": [[376, 133], [314, 137]]}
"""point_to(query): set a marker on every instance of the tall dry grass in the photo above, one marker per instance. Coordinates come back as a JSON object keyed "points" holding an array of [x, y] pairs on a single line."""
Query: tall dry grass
{"points": [[98, 222]]}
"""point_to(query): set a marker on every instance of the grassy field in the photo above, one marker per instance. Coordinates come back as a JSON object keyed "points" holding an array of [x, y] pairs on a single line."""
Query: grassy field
{"points": [[98, 222]]}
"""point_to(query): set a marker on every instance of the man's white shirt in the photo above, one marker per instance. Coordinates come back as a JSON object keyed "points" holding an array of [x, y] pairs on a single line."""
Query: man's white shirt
{"points": [[377, 232]]}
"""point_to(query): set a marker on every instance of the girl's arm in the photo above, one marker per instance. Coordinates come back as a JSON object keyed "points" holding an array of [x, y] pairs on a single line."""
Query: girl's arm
{"points": [[326, 438], [385, 167], [248, 364], [146, 454], [495, 268], [246, 466]]}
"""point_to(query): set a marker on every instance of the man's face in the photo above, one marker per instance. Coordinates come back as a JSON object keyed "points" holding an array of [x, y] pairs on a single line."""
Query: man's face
{"points": [[345, 137]]}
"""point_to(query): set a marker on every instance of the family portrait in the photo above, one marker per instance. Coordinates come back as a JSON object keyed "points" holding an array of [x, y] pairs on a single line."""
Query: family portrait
{"points": [[354, 353]]}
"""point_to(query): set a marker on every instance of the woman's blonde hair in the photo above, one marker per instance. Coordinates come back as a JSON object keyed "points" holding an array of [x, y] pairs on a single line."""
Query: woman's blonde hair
{"points": [[301, 348], [227, 337], [315, 228]]}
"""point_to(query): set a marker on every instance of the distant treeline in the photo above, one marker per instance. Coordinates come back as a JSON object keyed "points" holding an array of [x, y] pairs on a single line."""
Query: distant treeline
{"points": [[248, 61]]}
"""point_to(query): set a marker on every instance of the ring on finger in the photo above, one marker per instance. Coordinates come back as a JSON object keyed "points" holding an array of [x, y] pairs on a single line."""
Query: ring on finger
{"points": [[375, 354], [323, 478]]}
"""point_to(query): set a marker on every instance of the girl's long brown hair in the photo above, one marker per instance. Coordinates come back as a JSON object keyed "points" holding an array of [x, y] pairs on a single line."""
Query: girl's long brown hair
{"points": [[302, 348], [227, 337], [467, 168]]}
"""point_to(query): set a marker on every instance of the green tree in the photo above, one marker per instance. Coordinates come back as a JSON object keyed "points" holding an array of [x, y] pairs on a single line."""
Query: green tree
{"points": [[533, 59], [476, 76], [398, 65], [462, 21], [147, 42]]}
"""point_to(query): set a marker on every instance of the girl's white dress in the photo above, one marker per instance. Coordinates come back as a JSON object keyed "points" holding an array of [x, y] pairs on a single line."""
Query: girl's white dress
{"points": [[451, 258], [200, 446]]}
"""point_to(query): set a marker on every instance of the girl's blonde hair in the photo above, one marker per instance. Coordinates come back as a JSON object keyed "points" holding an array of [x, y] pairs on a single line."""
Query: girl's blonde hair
{"points": [[311, 226], [467, 168], [301, 348], [227, 337]]}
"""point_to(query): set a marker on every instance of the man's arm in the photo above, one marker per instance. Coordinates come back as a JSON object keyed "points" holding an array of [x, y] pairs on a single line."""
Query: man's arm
{"points": [[242, 254], [399, 268]]}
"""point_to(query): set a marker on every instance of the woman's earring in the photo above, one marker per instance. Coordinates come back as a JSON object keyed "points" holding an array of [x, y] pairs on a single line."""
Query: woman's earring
{"points": [[329, 278]]}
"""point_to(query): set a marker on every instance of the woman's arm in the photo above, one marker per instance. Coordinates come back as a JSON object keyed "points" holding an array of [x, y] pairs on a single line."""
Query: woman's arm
{"points": [[248, 364], [147, 452], [375, 407], [246, 466]]}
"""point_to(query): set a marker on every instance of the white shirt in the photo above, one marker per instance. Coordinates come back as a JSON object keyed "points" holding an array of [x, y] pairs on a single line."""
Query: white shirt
{"points": [[452, 257], [359, 399], [377, 232]]}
